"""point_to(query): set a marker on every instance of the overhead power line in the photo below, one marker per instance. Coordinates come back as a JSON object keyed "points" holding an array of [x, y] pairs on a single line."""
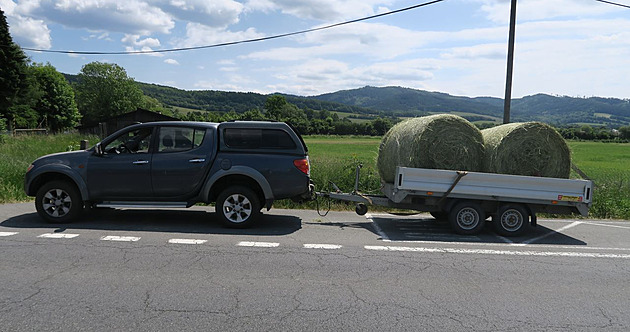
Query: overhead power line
{"points": [[614, 3], [239, 41]]}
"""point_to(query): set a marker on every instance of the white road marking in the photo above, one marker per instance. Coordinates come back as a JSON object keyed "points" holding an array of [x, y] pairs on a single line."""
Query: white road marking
{"points": [[498, 252], [7, 233], [322, 246], [258, 244], [605, 225], [187, 241], [120, 238], [58, 236], [378, 229]]}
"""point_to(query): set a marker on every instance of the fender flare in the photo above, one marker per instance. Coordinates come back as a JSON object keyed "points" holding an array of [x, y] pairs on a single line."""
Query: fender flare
{"points": [[238, 170], [63, 170]]}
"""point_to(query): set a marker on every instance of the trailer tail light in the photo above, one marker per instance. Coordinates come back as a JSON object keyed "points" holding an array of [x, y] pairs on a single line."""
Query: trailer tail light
{"points": [[303, 165]]}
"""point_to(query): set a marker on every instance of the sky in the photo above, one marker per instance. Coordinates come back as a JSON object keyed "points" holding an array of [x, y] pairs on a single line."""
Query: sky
{"points": [[563, 47]]}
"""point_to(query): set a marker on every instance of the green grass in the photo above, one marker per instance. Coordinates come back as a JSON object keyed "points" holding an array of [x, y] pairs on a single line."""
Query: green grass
{"points": [[334, 159], [608, 165], [17, 153]]}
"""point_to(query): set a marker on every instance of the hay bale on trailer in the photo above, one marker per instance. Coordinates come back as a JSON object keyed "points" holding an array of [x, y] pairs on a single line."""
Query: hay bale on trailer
{"points": [[442, 141], [530, 148]]}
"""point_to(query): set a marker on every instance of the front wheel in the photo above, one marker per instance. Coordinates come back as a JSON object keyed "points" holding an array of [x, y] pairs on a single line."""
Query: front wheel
{"points": [[511, 220], [238, 207], [58, 202], [467, 218]]}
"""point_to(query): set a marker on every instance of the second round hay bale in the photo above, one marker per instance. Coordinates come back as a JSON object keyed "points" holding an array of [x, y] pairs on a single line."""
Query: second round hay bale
{"points": [[530, 148], [440, 141]]}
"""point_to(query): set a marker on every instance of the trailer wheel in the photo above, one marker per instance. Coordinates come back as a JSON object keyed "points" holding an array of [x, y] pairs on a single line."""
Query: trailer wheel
{"points": [[511, 220], [467, 218], [361, 209]]}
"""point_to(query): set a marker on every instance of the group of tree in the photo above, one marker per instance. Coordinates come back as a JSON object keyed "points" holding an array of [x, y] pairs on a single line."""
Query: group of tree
{"points": [[600, 133], [32, 95], [306, 121]]}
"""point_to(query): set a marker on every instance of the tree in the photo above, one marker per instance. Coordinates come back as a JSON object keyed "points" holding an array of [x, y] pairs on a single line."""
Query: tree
{"points": [[381, 126], [275, 102], [104, 90], [624, 132], [55, 106], [12, 72]]}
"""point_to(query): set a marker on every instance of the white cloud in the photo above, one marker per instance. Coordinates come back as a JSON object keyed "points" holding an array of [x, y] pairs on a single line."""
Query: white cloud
{"points": [[200, 35], [134, 43], [373, 41], [323, 10], [232, 82], [528, 10], [215, 13], [130, 16], [171, 62], [26, 31], [320, 75]]}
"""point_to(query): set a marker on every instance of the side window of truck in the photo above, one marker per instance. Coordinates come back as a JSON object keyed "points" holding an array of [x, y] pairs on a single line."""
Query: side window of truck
{"points": [[254, 138], [177, 139], [135, 141]]}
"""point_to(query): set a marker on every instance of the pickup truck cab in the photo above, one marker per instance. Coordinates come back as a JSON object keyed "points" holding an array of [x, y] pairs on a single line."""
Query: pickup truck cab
{"points": [[242, 166]]}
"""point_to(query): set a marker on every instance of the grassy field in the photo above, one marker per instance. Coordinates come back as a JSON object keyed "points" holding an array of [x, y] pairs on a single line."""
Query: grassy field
{"points": [[335, 159], [607, 164], [16, 153]]}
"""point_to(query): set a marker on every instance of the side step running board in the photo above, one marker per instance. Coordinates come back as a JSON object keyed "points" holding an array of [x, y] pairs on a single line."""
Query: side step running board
{"points": [[142, 205]]}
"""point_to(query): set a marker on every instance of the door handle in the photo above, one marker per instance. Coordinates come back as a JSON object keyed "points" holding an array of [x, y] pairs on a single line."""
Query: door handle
{"points": [[196, 161], [140, 162]]}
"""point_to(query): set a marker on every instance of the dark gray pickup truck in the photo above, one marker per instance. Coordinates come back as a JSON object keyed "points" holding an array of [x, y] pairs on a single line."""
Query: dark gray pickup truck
{"points": [[243, 166]]}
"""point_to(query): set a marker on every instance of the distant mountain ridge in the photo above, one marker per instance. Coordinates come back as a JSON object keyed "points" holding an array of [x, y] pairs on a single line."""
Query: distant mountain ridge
{"points": [[540, 107], [406, 102]]}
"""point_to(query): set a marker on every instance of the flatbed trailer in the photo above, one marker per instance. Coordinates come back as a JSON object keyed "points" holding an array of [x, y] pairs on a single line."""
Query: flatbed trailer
{"points": [[466, 199]]}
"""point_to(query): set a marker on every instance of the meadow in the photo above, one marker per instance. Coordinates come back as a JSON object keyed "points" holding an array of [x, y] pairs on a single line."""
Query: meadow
{"points": [[334, 159]]}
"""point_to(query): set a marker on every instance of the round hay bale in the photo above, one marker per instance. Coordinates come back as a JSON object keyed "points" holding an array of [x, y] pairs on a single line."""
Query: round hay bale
{"points": [[440, 141], [530, 148]]}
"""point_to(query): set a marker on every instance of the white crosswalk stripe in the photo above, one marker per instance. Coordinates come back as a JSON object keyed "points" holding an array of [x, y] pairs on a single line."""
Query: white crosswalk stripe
{"points": [[58, 236], [186, 241], [120, 238]]}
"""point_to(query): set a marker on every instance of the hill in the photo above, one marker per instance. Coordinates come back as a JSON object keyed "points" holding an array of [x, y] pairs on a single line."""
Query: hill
{"points": [[560, 110], [370, 101]]}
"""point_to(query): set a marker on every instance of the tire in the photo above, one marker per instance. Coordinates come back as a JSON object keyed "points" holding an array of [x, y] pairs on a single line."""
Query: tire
{"points": [[511, 220], [58, 202], [238, 207], [361, 209], [439, 215], [467, 218]]}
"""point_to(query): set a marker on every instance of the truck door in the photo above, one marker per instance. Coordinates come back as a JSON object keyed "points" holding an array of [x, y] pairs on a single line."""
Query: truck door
{"points": [[123, 172], [181, 161]]}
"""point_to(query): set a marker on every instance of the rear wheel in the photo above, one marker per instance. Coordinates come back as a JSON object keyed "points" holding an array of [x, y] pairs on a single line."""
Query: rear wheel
{"points": [[238, 207], [58, 202], [467, 218], [511, 220]]}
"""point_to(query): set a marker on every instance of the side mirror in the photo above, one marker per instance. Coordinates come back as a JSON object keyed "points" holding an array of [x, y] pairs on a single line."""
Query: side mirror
{"points": [[98, 149]]}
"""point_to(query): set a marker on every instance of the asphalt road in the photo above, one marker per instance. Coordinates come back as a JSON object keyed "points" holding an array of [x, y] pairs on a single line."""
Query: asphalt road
{"points": [[170, 270]]}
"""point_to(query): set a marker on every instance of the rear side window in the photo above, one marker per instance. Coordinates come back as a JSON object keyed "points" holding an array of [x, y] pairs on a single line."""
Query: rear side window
{"points": [[252, 138], [176, 139]]}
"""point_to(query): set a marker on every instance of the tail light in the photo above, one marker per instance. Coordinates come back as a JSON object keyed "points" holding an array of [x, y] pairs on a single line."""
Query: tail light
{"points": [[303, 165]]}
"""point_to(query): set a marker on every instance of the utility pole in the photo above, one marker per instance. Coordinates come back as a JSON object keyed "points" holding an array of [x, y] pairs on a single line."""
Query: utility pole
{"points": [[510, 65]]}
